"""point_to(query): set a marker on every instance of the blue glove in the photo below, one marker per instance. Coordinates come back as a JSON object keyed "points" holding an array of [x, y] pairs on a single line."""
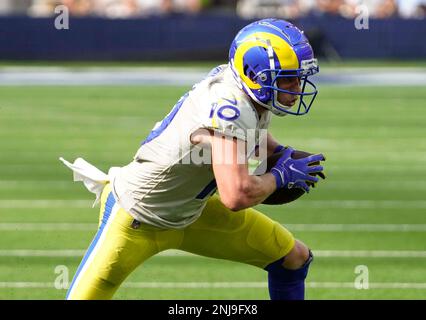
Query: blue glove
{"points": [[279, 148], [293, 173]]}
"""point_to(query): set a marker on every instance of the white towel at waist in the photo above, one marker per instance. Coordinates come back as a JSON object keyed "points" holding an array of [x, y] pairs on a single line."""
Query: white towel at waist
{"points": [[93, 178]]}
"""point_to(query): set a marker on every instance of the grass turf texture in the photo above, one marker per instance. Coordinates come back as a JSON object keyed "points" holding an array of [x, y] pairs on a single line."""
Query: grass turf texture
{"points": [[374, 140]]}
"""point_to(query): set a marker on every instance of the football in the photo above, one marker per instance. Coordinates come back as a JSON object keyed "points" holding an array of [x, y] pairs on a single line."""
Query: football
{"points": [[284, 195]]}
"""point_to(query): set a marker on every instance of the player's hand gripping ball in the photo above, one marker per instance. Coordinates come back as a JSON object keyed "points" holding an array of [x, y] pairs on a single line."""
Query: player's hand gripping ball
{"points": [[296, 185]]}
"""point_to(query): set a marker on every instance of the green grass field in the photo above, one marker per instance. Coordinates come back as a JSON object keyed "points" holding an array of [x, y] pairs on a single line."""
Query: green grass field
{"points": [[370, 211]]}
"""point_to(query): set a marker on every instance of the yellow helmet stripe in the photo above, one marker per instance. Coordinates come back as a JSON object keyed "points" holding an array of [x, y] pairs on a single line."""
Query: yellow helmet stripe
{"points": [[285, 53]]}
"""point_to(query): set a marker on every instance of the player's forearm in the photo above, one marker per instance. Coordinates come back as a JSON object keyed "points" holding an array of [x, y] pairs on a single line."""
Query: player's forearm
{"points": [[249, 192], [272, 144], [259, 188]]}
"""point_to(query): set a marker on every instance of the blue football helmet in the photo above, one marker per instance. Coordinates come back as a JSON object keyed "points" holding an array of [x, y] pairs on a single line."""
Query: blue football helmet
{"points": [[267, 50]]}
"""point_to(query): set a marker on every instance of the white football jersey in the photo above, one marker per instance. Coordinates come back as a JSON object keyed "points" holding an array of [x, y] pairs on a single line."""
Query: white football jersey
{"points": [[170, 179]]}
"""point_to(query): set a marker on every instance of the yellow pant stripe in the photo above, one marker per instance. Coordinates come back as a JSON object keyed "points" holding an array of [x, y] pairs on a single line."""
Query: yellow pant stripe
{"points": [[111, 209]]}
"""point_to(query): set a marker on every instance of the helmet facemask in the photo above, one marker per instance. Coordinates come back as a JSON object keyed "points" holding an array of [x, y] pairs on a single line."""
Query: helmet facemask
{"points": [[268, 80]]}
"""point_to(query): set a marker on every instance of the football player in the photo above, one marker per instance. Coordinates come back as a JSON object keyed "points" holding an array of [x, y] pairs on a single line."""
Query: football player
{"points": [[161, 200]]}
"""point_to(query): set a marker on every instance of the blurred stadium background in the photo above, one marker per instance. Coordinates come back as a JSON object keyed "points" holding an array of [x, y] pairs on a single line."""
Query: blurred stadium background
{"points": [[96, 89]]}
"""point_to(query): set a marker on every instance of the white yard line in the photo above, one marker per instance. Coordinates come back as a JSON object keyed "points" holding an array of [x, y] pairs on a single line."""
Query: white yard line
{"points": [[314, 285], [362, 204], [53, 226], [358, 204], [42, 253], [348, 184], [373, 285], [213, 285], [337, 253], [369, 253], [44, 204], [75, 253], [70, 226], [356, 227]]}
